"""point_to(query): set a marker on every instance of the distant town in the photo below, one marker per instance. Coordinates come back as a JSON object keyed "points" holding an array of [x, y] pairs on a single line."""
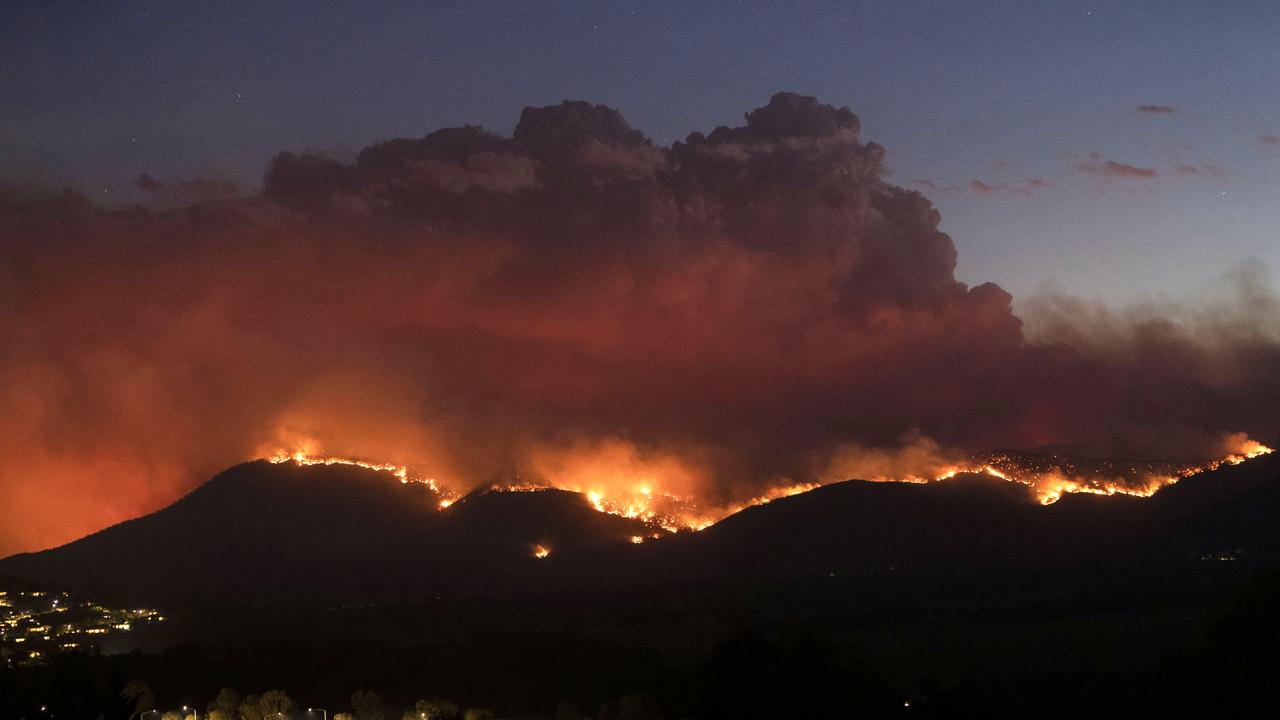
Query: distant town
{"points": [[36, 625]]}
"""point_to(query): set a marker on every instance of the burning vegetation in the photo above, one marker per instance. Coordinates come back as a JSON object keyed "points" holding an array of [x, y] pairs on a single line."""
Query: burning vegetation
{"points": [[1048, 476], [676, 331], [305, 457], [1052, 476]]}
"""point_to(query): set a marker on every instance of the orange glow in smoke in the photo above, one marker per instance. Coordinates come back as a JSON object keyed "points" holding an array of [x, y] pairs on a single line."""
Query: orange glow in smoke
{"points": [[306, 457], [1050, 483], [616, 478]]}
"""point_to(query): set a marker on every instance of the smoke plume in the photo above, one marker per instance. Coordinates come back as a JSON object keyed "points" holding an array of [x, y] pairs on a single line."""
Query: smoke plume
{"points": [[749, 307]]}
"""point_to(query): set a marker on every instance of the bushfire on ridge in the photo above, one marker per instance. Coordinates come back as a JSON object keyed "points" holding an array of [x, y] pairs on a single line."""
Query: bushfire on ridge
{"points": [[722, 314], [1049, 477]]}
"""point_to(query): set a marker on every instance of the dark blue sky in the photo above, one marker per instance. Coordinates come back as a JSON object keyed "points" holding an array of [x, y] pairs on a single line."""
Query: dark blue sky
{"points": [[1035, 101]]}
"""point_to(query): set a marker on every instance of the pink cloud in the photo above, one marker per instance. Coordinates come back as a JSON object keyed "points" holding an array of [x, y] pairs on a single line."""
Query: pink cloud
{"points": [[1022, 187], [1098, 165], [1202, 170], [935, 187]]}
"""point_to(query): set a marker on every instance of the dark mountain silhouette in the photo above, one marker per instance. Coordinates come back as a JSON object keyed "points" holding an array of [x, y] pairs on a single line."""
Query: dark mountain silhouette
{"points": [[330, 533], [289, 532], [980, 540]]}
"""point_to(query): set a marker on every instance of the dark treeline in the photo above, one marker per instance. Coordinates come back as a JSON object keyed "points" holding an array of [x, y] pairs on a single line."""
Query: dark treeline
{"points": [[1216, 658]]}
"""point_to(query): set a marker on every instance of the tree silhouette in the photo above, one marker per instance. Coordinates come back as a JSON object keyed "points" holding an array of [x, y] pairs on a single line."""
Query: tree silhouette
{"points": [[368, 705], [274, 703], [250, 709], [432, 710], [225, 706], [568, 710], [138, 697]]}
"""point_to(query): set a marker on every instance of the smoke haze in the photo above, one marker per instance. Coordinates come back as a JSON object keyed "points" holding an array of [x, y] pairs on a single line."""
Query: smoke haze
{"points": [[749, 307]]}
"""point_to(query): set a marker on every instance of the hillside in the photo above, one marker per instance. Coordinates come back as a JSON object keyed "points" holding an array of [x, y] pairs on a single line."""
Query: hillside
{"points": [[320, 534]]}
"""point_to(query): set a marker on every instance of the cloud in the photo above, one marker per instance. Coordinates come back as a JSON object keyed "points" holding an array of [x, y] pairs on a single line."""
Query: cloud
{"points": [[1020, 187], [1202, 170], [149, 184], [186, 192], [1102, 167], [1155, 109], [746, 306], [934, 187]]}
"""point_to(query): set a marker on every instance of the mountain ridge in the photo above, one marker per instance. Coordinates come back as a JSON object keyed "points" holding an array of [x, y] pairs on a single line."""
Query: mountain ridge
{"points": [[328, 533]]}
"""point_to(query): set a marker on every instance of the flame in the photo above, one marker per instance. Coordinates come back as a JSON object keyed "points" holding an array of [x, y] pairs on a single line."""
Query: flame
{"points": [[1051, 482], [304, 457], [621, 478], [541, 551], [1244, 449], [772, 494], [661, 509], [634, 488]]}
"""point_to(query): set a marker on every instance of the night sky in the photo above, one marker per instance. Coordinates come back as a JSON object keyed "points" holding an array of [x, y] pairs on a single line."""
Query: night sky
{"points": [[766, 246], [977, 104]]}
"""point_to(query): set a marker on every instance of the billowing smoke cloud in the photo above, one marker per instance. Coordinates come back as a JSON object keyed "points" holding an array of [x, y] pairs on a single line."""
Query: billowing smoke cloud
{"points": [[751, 306]]}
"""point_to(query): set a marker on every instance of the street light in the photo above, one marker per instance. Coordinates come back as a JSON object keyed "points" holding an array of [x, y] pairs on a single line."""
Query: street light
{"points": [[324, 713], [194, 712]]}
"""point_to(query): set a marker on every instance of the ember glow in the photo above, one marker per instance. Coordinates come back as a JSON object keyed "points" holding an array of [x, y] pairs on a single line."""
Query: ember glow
{"points": [[1048, 477], [657, 508], [676, 331], [1051, 480], [614, 478], [669, 512], [401, 472]]}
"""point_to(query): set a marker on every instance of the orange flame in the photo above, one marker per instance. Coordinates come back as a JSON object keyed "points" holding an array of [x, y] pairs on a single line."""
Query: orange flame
{"points": [[1051, 483], [303, 457], [631, 488]]}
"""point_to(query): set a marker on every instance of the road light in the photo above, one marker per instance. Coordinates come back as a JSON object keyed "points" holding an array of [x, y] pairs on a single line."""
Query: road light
{"points": [[324, 713], [194, 712]]}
